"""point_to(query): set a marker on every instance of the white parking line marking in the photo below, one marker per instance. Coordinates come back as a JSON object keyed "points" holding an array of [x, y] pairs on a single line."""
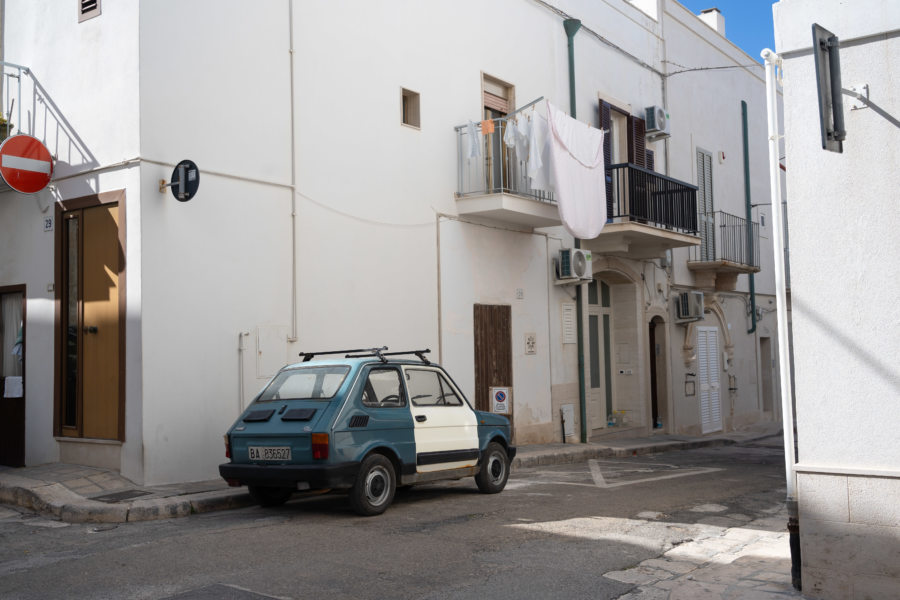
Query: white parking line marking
{"points": [[600, 482]]}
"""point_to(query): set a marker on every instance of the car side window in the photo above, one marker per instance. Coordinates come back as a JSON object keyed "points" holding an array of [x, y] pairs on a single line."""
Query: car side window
{"points": [[430, 388], [383, 390]]}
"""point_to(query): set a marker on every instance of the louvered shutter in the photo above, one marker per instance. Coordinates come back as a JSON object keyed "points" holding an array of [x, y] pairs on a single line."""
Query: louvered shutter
{"points": [[637, 148], [708, 359], [497, 103], [606, 124], [651, 163], [705, 206]]}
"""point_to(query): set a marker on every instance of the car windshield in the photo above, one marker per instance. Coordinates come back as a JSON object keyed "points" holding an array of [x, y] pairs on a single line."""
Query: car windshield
{"points": [[305, 383]]}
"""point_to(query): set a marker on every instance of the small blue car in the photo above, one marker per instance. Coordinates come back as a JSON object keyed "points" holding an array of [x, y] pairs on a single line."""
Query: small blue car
{"points": [[367, 422]]}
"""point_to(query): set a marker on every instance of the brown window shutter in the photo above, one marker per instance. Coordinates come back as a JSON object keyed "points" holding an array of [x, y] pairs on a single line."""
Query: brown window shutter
{"points": [[637, 131], [606, 124], [650, 160], [497, 103]]}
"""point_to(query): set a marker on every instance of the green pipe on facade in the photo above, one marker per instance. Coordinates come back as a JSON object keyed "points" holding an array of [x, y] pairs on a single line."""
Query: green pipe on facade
{"points": [[748, 208], [572, 26]]}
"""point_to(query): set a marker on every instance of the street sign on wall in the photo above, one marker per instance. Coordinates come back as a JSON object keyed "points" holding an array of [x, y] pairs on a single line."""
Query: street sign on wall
{"points": [[25, 164], [500, 400]]}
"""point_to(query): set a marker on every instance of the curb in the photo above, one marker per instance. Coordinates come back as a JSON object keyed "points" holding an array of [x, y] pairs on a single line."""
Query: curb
{"points": [[57, 501]]}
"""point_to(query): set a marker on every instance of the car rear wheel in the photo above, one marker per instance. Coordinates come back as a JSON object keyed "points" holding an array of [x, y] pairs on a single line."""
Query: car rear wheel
{"points": [[491, 479], [373, 490], [269, 496]]}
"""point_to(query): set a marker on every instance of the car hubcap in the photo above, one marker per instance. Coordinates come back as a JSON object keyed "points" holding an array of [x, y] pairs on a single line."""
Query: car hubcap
{"points": [[377, 486], [495, 468]]}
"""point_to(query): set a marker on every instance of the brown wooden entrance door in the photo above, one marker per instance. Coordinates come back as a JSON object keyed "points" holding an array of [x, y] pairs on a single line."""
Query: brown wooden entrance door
{"points": [[493, 353], [12, 371], [90, 403]]}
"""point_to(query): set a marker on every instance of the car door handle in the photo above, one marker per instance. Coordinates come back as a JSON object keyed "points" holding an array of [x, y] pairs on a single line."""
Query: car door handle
{"points": [[91, 329], [421, 418]]}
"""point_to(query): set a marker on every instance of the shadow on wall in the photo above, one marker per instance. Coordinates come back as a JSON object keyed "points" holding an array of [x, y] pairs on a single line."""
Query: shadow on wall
{"points": [[41, 118], [830, 328]]}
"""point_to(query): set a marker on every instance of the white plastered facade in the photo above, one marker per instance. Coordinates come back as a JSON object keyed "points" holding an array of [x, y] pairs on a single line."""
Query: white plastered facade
{"points": [[363, 208]]}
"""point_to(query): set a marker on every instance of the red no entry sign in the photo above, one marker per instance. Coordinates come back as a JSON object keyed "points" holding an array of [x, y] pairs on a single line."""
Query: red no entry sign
{"points": [[25, 164]]}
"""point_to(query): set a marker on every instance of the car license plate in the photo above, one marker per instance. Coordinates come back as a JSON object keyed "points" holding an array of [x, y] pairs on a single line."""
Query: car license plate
{"points": [[270, 452]]}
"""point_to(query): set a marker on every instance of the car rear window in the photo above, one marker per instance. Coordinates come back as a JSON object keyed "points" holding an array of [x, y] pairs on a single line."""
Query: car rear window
{"points": [[305, 383]]}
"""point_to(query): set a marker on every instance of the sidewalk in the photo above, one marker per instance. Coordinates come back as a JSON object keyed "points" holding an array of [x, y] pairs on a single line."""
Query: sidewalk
{"points": [[79, 494]]}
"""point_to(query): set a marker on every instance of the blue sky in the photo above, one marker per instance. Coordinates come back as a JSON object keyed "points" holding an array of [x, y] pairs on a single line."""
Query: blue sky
{"points": [[748, 23]]}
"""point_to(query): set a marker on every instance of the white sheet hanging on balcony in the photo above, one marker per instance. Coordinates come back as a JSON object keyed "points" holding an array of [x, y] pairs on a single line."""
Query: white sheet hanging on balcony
{"points": [[576, 156]]}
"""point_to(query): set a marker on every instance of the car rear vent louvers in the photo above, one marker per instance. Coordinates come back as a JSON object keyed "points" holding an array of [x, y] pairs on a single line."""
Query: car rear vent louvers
{"points": [[259, 415], [359, 421], [299, 414]]}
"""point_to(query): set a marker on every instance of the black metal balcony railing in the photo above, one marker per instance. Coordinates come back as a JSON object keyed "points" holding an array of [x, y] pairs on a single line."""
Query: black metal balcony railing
{"points": [[634, 193], [725, 237]]}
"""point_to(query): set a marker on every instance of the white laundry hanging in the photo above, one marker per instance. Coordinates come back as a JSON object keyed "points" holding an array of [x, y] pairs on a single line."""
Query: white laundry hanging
{"points": [[579, 174], [540, 170], [473, 132]]}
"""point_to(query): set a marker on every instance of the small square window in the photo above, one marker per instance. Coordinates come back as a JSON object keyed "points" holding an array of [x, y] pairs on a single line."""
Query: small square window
{"points": [[88, 9], [410, 108]]}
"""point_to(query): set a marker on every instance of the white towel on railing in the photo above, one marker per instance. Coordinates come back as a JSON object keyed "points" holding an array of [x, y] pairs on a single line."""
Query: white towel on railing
{"points": [[576, 155], [473, 149]]}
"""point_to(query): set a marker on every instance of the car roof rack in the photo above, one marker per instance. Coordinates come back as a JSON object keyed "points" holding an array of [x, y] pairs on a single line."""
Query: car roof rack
{"points": [[381, 353]]}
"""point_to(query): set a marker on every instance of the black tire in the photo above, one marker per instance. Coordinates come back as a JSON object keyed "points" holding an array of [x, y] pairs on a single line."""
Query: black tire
{"points": [[375, 485], [270, 496], [494, 473]]}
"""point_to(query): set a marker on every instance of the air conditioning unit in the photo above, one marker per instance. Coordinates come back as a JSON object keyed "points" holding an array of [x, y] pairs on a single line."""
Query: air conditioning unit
{"points": [[573, 266], [657, 121], [690, 306]]}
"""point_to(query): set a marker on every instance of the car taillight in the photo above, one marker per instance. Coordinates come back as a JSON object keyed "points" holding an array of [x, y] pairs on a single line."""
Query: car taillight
{"points": [[227, 446], [320, 446]]}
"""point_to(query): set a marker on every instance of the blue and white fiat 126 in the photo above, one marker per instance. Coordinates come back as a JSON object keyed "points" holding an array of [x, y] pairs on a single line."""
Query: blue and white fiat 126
{"points": [[368, 422]]}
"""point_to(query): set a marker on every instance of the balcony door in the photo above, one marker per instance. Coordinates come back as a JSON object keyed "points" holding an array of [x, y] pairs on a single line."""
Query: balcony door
{"points": [[91, 268]]}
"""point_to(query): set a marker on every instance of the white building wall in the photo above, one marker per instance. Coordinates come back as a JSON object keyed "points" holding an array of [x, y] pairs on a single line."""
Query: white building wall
{"points": [[844, 222], [215, 88]]}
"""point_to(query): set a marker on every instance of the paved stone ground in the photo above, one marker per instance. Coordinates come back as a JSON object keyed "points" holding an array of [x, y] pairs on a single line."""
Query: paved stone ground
{"points": [[727, 560]]}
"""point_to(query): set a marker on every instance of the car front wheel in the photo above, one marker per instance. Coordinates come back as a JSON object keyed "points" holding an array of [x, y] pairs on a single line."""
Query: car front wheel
{"points": [[491, 479], [373, 490]]}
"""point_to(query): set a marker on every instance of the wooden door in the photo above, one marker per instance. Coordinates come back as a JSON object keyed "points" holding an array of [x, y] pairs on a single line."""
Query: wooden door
{"points": [[493, 353], [91, 313]]}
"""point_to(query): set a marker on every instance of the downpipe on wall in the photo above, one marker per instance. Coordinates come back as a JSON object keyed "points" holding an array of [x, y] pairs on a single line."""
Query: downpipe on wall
{"points": [[572, 26], [787, 412]]}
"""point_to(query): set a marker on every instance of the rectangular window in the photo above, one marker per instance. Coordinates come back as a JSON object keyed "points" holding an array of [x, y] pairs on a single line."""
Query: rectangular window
{"points": [[410, 108], [88, 9], [428, 388]]}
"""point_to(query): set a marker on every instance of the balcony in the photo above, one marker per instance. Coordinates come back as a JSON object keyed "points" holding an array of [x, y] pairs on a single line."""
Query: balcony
{"points": [[493, 186], [727, 249], [647, 214]]}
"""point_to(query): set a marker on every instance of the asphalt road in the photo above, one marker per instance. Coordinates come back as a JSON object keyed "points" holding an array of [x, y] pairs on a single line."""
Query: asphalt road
{"points": [[552, 533]]}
